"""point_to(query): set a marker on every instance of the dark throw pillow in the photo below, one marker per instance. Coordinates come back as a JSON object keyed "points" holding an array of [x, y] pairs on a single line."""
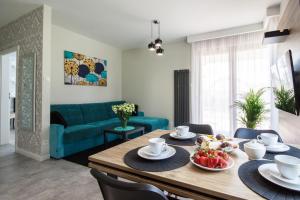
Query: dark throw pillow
{"points": [[57, 118], [135, 113]]}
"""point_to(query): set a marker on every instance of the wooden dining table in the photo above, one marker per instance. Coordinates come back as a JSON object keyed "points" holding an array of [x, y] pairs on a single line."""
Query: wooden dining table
{"points": [[188, 181]]}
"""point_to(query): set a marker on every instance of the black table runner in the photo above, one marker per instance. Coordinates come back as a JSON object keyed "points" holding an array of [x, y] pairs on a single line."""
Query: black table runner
{"points": [[249, 175]]}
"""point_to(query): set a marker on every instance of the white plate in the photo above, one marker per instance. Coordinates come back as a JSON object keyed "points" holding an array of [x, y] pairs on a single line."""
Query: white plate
{"points": [[268, 170], [275, 173], [190, 135], [230, 165], [169, 152], [277, 148]]}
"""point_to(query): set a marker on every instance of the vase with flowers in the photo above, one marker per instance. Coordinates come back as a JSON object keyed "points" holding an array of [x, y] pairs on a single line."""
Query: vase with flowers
{"points": [[123, 112]]}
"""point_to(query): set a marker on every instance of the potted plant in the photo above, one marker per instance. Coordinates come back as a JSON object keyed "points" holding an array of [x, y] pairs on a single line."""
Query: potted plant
{"points": [[285, 99], [252, 108], [124, 111]]}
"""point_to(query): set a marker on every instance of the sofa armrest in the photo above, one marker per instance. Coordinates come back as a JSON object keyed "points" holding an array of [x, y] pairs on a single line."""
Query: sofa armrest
{"points": [[56, 140], [141, 114]]}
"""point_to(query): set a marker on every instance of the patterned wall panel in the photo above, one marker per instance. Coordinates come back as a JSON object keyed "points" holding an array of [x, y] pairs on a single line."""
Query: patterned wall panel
{"points": [[27, 33]]}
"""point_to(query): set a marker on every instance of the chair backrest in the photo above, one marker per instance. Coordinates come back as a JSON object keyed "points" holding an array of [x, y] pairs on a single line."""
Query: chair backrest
{"points": [[113, 189], [247, 133], [200, 128]]}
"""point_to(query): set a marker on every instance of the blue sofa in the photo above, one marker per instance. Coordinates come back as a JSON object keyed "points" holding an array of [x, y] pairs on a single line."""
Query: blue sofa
{"points": [[85, 125]]}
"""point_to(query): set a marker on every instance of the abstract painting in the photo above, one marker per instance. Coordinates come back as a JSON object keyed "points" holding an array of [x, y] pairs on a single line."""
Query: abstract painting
{"points": [[83, 70]]}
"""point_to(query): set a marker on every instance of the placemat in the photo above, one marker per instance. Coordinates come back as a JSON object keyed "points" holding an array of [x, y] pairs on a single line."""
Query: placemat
{"points": [[127, 128], [250, 176], [181, 158], [270, 155], [173, 141]]}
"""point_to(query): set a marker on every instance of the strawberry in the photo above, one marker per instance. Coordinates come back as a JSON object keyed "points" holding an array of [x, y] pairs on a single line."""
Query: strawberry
{"points": [[196, 158], [220, 153], [203, 161], [222, 163], [202, 153], [213, 161]]}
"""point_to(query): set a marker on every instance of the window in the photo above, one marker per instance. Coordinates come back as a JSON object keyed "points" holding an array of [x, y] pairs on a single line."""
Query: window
{"points": [[223, 70]]}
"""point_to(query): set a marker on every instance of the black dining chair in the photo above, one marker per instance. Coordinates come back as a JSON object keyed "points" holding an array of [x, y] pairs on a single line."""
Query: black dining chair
{"points": [[247, 133], [200, 128], [113, 189]]}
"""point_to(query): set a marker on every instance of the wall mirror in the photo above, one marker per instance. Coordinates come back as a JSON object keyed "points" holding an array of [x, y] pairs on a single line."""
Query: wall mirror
{"points": [[27, 93]]}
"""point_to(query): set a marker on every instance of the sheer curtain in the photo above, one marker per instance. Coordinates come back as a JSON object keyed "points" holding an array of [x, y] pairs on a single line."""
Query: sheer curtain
{"points": [[224, 70]]}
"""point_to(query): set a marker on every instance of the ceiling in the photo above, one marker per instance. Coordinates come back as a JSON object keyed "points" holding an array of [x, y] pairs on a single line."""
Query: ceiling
{"points": [[126, 23]]}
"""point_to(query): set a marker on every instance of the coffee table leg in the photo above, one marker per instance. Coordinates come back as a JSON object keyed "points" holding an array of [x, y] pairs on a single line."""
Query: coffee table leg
{"points": [[125, 137]]}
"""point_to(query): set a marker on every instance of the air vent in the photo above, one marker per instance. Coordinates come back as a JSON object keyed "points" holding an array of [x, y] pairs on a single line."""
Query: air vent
{"points": [[273, 37]]}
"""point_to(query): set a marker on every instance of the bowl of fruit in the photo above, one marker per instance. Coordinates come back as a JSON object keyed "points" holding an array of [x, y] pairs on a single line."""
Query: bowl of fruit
{"points": [[212, 160], [218, 142]]}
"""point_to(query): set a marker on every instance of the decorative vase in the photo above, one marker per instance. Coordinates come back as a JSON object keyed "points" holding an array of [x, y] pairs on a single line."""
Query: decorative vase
{"points": [[124, 123]]}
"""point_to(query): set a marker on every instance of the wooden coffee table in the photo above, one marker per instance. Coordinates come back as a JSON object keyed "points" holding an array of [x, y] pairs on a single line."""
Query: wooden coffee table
{"points": [[123, 133]]}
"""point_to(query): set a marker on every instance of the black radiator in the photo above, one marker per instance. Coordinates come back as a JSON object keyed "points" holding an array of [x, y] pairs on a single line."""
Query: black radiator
{"points": [[181, 97]]}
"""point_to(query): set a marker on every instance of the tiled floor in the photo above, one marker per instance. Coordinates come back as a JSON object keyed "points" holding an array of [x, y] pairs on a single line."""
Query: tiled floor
{"points": [[22, 178]]}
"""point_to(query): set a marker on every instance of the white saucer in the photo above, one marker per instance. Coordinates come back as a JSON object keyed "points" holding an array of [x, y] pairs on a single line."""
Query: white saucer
{"points": [[277, 148], [144, 152], [190, 135], [270, 172]]}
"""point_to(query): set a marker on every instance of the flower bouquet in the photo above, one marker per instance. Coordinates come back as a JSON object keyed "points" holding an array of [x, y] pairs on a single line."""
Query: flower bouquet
{"points": [[124, 111]]}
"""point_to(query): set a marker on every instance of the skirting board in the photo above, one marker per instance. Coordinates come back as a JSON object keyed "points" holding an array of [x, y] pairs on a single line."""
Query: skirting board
{"points": [[32, 155]]}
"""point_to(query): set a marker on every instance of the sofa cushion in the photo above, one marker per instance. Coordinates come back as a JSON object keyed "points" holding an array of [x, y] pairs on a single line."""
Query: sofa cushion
{"points": [[150, 123], [80, 132], [105, 123], [94, 112], [71, 113]]}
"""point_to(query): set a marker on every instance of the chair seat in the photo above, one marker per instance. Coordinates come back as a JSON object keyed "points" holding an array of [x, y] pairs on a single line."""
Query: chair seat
{"points": [[247, 133]]}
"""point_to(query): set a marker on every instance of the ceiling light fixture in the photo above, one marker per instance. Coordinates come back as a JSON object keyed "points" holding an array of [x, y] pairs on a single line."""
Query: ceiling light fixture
{"points": [[151, 45], [157, 44], [160, 51]]}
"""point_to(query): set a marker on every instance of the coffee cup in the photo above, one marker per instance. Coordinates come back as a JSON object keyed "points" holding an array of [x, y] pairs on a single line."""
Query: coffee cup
{"points": [[268, 138], [182, 130], [288, 166], [157, 145]]}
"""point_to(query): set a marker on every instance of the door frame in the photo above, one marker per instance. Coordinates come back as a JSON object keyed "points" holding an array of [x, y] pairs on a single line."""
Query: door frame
{"points": [[4, 52]]}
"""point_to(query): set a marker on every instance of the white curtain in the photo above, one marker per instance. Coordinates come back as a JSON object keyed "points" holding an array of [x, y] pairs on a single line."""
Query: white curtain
{"points": [[223, 70]]}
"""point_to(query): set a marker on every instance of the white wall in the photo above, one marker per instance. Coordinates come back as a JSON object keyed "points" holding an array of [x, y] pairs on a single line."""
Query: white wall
{"points": [[288, 123], [63, 39], [148, 79]]}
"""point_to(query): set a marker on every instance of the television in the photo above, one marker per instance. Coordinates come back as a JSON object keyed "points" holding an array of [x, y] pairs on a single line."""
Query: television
{"points": [[286, 83]]}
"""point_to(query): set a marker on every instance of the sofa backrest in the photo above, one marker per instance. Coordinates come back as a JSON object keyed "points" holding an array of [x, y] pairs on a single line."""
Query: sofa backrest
{"points": [[71, 113], [86, 113]]}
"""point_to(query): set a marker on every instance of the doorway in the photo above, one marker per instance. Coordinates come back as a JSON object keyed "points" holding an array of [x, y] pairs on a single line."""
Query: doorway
{"points": [[8, 70]]}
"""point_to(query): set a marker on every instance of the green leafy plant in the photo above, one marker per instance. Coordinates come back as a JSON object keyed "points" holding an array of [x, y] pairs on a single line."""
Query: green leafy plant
{"points": [[252, 108], [285, 99]]}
